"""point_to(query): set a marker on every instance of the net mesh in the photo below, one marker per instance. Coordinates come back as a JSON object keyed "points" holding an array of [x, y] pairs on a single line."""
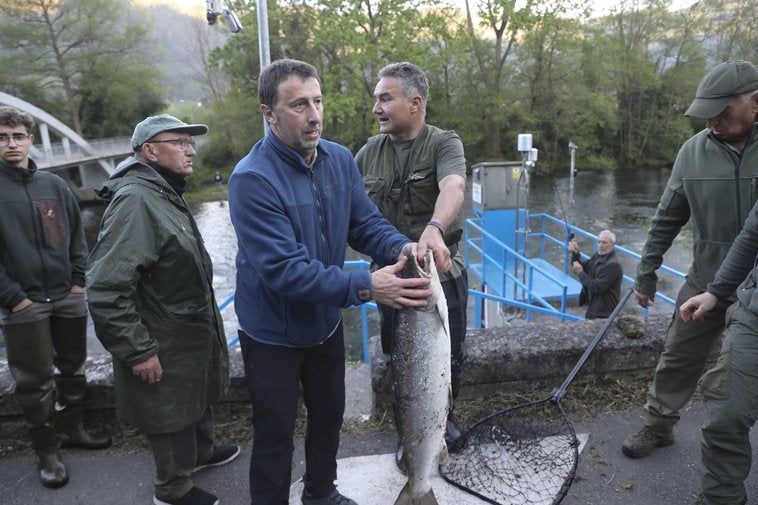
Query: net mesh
{"points": [[523, 455]]}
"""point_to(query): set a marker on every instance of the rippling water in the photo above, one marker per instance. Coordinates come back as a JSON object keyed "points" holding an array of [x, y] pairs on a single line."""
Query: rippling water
{"points": [[621, 201]]}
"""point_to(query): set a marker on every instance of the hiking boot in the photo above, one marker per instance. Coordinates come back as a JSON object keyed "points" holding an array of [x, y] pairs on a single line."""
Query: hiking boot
{"points": [[194, 496], [642, 443], [701, 500], [222, 454], [334, 498]]}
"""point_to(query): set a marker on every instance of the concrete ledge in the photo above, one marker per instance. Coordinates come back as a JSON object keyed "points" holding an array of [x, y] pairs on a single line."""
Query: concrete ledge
{"points": [[495, 355], [542, 351]]}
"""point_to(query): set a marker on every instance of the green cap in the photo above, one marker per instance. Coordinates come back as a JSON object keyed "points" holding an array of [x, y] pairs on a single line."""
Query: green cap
{"points": [[726, 80], [153, 125]]}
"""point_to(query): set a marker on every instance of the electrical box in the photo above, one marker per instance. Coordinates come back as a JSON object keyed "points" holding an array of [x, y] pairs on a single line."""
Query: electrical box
{"points": [[498, 185]]}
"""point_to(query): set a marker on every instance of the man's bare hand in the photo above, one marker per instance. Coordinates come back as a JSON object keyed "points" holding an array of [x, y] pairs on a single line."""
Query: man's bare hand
{"points": [[644, 300], [149, 371], [389, 289], [432, 239], [577, 267], [21, 305], [695, 308]]}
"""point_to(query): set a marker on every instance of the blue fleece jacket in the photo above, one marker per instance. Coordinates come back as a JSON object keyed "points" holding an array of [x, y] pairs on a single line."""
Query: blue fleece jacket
{"points": [[293, 223]]}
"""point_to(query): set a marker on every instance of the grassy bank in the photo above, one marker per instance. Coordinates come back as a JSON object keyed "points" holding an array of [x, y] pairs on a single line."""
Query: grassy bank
{"points": [[587, 397]]}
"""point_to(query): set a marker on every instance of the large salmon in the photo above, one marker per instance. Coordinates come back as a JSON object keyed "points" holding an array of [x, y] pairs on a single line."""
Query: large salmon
{"points": [[421, 384]]}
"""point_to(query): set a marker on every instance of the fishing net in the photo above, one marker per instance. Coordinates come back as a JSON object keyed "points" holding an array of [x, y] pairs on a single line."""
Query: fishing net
{"points": [[522, 455]]}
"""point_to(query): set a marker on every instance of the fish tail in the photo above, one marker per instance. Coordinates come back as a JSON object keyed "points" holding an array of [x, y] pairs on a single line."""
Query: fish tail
{"points": [[405, 498]]}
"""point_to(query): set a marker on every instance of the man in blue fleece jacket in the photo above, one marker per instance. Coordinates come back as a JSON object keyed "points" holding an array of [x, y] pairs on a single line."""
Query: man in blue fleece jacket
{"points": [[296, 202]]}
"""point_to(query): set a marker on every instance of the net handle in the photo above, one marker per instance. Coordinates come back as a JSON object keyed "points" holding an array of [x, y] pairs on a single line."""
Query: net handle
{"points": [[558, 393]]}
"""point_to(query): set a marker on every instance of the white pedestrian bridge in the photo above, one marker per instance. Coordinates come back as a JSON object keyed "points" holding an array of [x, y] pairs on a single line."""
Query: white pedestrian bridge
{"points": [[84, 164]]}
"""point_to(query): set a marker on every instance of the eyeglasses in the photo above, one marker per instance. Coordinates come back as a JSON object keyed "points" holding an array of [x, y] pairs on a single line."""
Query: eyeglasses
{"points": [[183, 144], [18, 138]]}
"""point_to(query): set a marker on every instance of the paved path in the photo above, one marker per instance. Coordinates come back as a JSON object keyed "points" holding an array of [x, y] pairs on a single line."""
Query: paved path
{"points": [[605, 476]]}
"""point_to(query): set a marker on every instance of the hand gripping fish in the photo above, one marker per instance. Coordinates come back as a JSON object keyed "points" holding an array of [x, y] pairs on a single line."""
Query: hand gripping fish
{"points": [[421, 384]]}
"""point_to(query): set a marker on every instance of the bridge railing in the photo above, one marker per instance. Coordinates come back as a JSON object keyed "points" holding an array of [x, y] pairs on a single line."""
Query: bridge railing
{"points": [[66, 151]]}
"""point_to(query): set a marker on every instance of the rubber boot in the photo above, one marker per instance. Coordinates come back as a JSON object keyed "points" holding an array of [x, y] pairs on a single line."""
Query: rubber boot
{"points": [[69, 335], [70, 419], [52, 471], [30, 360]]}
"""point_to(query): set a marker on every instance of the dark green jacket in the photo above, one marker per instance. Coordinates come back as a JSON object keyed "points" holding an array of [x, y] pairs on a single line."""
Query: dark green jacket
{"points": [[149, 287], [711, 186], [601, 284], [43, 251]]}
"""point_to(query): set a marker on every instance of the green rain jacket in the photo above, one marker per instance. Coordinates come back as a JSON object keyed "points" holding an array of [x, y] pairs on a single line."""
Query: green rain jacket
{"points": [[714, 187], [149, 288]]}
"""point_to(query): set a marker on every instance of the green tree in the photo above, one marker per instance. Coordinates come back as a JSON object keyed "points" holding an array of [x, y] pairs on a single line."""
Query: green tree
{"points": [[728, 28], [59, 45]]}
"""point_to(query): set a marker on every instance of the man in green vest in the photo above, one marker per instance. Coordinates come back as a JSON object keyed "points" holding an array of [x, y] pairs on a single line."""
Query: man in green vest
{"points": [[416, 174]]}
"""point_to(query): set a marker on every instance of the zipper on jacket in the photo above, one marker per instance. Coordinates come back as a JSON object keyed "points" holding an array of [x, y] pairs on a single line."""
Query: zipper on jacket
{"points": [[740, 219], [320, 213], [39, 234]]}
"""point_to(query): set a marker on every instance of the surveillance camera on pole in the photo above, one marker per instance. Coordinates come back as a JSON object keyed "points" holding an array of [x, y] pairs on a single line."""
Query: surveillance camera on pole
{"points": [[215, 8]]}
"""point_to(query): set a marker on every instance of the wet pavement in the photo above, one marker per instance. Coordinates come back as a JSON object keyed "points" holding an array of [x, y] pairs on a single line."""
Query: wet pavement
{"points": [[605, 476]]}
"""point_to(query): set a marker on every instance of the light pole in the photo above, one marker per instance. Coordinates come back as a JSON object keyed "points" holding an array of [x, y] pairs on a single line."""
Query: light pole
{"points": [[572, 149]]}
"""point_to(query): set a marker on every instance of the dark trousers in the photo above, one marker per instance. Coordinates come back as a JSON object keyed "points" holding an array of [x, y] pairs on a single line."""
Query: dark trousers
{"points": [[275, 375], [177, 454]]}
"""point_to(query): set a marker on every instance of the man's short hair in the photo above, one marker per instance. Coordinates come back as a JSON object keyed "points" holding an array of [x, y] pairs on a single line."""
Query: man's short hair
{"points": [[412, 79], [278, 71], [610, 234], [11, 116]]}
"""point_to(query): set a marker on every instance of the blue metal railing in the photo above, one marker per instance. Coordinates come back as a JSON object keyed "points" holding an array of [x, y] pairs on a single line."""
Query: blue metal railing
{"points": [[506, 255], [548, 246], [546, 220], [364, 308], [532, 304]]}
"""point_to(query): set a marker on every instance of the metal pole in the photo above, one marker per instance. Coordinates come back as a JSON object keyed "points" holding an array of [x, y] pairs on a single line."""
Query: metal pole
{"points": [[572, 149], [263, 46]]}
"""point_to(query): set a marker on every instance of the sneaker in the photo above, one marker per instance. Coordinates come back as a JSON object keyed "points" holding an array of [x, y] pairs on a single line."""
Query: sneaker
{"points": [[222, 454], [701, 500], [334, 498], [194, 496], [642, 443]]}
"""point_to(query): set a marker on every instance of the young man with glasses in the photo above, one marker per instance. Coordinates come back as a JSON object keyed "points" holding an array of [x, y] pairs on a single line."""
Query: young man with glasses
{"points": [[150, 292], [43, 313]]}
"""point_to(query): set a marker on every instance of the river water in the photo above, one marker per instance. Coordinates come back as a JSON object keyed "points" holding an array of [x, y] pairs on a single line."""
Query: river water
{"points": [[621, 201]]}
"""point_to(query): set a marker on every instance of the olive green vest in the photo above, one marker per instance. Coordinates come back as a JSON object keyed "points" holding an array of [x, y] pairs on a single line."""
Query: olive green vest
{"points": [[410, 208]]}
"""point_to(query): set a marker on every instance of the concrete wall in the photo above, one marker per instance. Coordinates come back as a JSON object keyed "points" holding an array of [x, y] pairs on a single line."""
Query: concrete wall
{"points": [[497, 355]]}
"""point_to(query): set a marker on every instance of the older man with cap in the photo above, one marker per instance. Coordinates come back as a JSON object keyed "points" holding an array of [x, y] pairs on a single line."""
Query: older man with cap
{"points": [[713, 186], [150, 293]]}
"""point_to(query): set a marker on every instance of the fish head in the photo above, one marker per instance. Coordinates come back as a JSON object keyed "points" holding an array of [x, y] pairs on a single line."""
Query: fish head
{"points": [[413, 269]]}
